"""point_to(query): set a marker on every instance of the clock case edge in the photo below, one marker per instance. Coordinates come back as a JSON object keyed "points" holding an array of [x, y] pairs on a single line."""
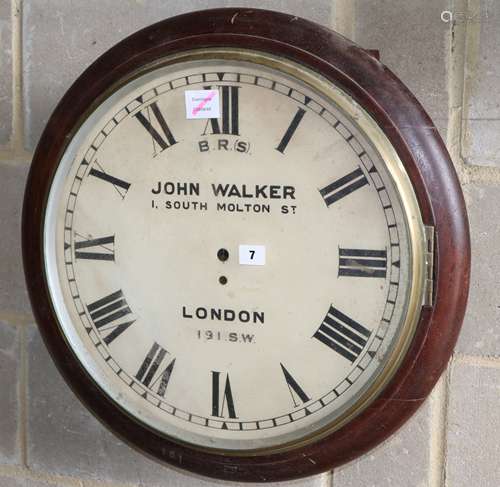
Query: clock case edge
{"points": [[417, 143]]}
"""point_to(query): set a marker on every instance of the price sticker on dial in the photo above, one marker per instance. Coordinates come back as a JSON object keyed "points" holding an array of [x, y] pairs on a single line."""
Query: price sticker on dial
{"points": [[202, 104], [252, 254]]}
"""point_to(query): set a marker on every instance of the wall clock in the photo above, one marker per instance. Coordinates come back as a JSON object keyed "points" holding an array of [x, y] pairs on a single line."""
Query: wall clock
{"points": [[245, 245]]}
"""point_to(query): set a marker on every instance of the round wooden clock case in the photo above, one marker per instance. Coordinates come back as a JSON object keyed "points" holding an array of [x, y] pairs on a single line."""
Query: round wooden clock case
{"points": [[284, 46]]}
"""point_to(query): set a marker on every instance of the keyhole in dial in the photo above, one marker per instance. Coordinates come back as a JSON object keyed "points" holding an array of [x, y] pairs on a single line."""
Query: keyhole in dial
{"points": [[223, 255]]}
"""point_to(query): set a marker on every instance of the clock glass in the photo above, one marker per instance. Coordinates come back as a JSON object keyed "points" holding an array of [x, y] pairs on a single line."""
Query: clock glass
{"points": [[234, 251]]}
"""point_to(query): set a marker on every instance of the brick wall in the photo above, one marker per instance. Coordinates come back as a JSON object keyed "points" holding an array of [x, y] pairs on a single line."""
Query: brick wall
{"points": [[48, 438]]}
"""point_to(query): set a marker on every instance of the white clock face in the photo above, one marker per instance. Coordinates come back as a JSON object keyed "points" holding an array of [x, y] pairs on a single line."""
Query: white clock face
{"points": [[238, 282]]}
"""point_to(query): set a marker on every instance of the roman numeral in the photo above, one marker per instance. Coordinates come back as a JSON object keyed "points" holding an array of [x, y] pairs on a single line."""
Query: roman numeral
{"points": [[291, 130], [228, 123], [148, 373], [293, 387], [120, 186], [224, 400], [102, 248], [343, 186], [342, 334], [362, 263], [107, 314], [163, 140]]}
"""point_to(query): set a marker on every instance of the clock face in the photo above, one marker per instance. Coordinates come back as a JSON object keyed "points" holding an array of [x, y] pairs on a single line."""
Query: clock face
{"points": [[233, 251]]}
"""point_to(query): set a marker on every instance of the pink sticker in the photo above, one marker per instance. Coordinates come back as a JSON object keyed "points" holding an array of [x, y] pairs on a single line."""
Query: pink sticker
{"points": [[202, 104]]}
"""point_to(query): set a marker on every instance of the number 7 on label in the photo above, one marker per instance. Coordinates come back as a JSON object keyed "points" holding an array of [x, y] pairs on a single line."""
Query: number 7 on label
{"points": [[252, 254]]}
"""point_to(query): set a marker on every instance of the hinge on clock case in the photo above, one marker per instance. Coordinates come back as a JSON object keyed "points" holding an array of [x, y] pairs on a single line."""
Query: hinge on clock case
{"points": [[429, 266]]}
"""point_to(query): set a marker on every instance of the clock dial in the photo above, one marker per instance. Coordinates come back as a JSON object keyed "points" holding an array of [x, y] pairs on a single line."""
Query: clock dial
{"points": [[237, 282]]}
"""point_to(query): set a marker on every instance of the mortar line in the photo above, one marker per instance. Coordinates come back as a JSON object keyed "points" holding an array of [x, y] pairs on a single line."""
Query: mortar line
{"points": [[15, 158], [342, 20], [455, 60], [438, 423], [94, 483], [471, 56], [12, 318], [18, 472], [101, 483], [23, 398], [477, 361], [485, 175], [329, 478], [17, 142]]}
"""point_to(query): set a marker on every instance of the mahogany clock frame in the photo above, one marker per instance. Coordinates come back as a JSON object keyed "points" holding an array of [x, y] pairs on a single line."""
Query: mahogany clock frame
{"points": [[424, 156]]}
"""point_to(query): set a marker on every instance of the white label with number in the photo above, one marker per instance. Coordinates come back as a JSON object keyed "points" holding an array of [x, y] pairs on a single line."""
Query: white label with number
{"points": [[252, 254]]}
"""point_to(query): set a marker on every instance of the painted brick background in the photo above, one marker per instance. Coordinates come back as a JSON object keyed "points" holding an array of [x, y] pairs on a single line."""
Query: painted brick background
{"points": [[81, 31], [446, 51]]}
